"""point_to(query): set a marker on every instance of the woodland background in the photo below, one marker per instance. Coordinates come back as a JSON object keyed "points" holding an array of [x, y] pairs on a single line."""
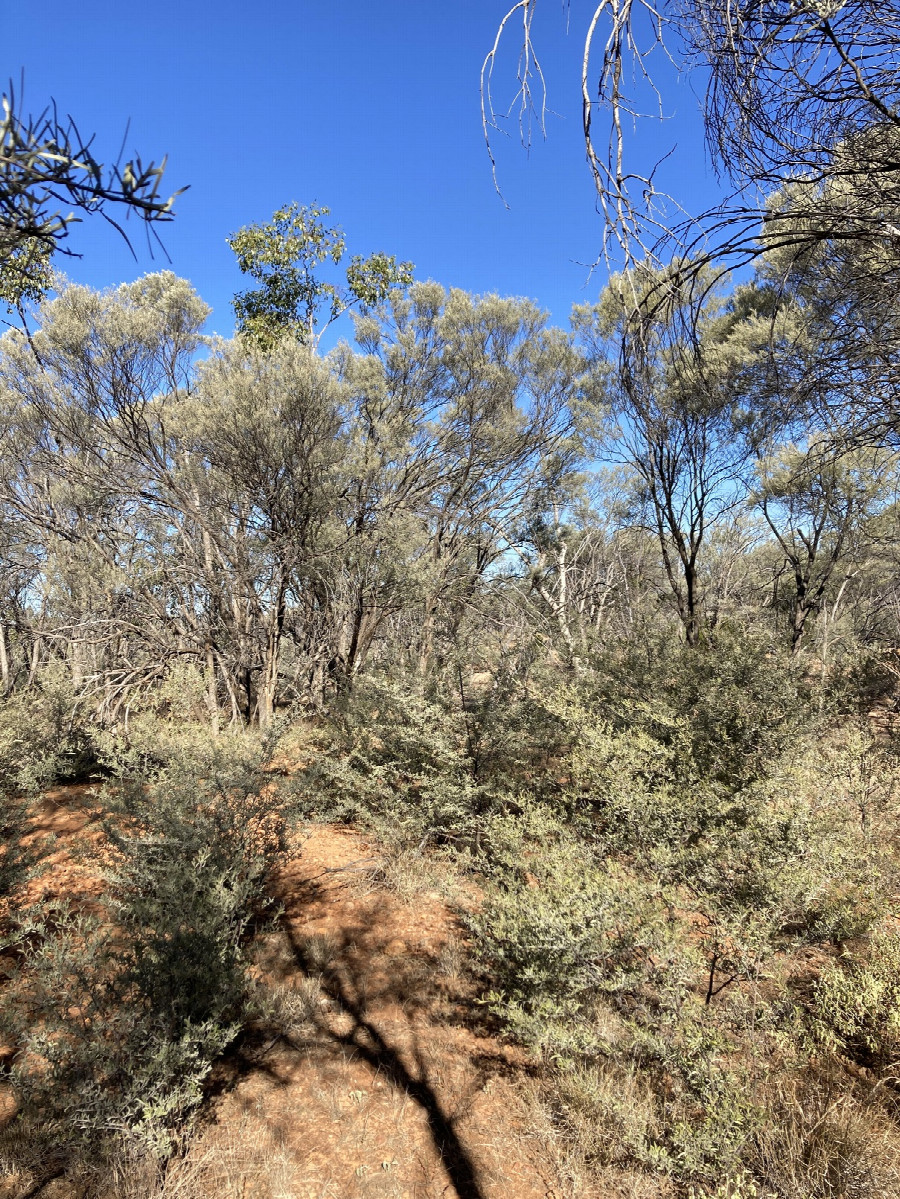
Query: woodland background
{"points": [[603, 621]]}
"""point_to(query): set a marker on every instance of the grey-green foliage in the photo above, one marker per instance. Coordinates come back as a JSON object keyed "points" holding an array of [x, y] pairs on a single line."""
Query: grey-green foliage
{"points": [[25, 274], [856, 1002], [775, 829], [668, 372], [44, 735], [394, 754], [120, 1018], [43, 738], [818, 503], [593, 964], [631, 918], [192, 849], [431, 763], [565, 927], [725, 709], [99, 1062]]}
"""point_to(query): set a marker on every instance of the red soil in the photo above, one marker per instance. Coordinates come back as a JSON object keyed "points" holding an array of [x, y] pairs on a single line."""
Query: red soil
{"points": [[382, 1077]]}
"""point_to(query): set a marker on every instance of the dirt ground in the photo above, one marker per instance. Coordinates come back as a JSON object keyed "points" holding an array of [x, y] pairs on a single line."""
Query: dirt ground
{"points": [[387, 1082], [372, 1071]]}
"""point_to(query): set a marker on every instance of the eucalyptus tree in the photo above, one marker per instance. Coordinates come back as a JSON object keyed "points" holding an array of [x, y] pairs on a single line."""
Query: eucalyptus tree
{"points": [[285, 256], [677, 409]]}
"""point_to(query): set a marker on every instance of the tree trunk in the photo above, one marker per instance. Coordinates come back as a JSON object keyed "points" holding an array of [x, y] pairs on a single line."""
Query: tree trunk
{"points": [[269, 683], [4, 661]]}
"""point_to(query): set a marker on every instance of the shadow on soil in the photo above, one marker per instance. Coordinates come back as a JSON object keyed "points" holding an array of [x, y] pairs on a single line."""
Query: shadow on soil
{"points": [[345, 989]]}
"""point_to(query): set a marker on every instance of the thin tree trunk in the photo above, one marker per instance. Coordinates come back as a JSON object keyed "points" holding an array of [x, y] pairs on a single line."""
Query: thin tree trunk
{"points": [[4, 660], [212, 698]]}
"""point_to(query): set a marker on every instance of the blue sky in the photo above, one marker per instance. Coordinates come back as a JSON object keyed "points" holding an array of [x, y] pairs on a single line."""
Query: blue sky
{"points": [[371, 109]]}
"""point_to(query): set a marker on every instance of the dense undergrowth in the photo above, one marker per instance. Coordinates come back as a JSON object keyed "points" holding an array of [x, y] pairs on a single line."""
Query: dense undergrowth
{"points": [[687, 866], [689, 860], [119, 1007]]}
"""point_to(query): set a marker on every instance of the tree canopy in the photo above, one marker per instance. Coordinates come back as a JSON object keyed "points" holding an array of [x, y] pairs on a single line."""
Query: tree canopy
{"points": [[806, 88]]}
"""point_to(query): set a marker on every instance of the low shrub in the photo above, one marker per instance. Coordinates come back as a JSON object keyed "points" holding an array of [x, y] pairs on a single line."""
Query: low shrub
{"points": [[44, 739], [119, 1015], [101, 1063], [44, 736], [393, 756], [855, 1008]]}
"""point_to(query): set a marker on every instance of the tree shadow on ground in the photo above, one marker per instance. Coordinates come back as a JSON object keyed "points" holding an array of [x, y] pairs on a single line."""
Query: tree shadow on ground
{"points": [[344, 986]]}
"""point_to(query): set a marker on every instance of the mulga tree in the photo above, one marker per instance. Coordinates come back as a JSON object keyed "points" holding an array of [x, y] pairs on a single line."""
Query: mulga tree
{"points": [[484, 391], [92, 469], [817, 503]]}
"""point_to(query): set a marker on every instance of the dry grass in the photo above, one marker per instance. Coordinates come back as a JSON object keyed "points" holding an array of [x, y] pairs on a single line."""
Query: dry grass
{"points": [[568, 1141], [824, 1141], [242, 1161]]}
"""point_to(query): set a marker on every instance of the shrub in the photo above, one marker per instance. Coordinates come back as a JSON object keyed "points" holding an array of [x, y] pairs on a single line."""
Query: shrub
{"points": [[392, 755], [43, 739], [119, 1019], [593, 965], [43, 736], [728, 707], [100, 1061], [562, 928], [856, 1003]]}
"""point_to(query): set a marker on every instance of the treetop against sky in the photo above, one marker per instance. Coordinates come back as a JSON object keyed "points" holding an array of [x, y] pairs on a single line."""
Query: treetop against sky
{"points": [[373, 110]]}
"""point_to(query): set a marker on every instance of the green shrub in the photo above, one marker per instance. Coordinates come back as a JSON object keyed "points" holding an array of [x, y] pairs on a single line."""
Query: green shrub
{"points": [[120, 1019], [43, 736], [392, 755], [43, 740], [562, 928], [595, 965], [100, 1061], [727, 708], [856, 1003]]}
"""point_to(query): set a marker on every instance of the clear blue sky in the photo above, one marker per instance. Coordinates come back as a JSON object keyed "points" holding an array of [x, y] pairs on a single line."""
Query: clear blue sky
{"points": [[371, 109]]}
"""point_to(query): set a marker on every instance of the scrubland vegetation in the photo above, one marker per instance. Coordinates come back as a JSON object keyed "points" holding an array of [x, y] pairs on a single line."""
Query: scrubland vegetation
{"points": [[607, 632], [599, 627]]}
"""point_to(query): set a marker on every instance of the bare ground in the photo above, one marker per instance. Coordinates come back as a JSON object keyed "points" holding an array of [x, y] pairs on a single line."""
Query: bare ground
{"points": [[372, 1072]]}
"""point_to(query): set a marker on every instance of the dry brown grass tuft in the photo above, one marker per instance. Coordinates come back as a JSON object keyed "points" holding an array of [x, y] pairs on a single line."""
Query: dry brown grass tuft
{"points": [[823, 1141]]}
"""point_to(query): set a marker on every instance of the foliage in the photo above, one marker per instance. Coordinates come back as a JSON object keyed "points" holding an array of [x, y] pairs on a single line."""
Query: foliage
{"points": [[726, 708], [284, 256], [46, 167], [44, 736], [628, 925], [569, 679], [856, 1002], [44, 739], [119, 1019], [100, 1062], [393, 753], [594, 965], [674, 382], [25, 274]]}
